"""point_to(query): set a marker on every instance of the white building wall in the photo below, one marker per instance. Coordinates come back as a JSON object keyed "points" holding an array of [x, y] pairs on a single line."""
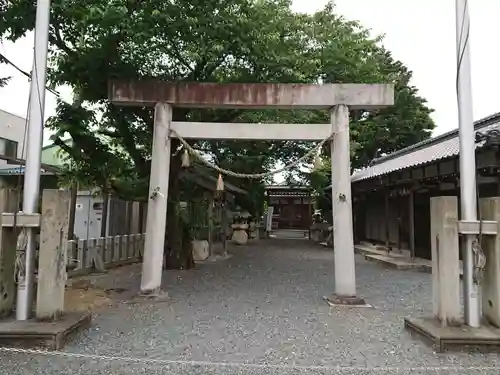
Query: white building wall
{"points": [[12, 127]]}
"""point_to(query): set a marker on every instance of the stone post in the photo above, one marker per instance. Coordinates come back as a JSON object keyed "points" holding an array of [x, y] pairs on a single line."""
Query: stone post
{"points": [[52, 258], [152, 266], [445, 260], [490, 210], [8, 247]]}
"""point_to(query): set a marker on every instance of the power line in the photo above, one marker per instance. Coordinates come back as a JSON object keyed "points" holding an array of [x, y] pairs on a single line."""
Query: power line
{"points": [[9, 62]]}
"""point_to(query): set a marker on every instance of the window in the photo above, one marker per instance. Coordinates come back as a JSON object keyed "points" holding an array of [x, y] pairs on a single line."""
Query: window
{"points": [[97, 206], [8, 148]]}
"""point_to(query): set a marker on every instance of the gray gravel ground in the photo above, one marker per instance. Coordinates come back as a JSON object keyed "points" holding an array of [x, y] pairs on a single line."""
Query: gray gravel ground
{"points": [[257, 311]]}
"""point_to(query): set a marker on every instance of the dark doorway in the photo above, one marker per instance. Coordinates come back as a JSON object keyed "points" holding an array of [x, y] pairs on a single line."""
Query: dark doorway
{"points": [[294, 214]]}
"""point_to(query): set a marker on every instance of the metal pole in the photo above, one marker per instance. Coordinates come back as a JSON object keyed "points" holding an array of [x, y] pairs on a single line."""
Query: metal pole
{"points": [[33, 155], [467, 160]]}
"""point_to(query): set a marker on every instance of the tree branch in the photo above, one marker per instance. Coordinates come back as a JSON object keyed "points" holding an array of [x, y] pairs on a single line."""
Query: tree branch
{"points": [[128, 139], [58, 41]]}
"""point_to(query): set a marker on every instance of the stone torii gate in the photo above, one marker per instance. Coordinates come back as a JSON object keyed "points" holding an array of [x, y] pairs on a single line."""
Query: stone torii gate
{"points": [[338, 98]]}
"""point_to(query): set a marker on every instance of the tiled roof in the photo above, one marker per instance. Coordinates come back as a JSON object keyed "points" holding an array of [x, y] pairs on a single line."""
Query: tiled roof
{"points": [[424, 152]]}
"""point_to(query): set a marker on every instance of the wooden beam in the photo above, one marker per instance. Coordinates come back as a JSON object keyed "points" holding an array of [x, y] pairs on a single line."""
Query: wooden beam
{"points": [[47, 167], [248, 131], [249, 95], [21, 220]]}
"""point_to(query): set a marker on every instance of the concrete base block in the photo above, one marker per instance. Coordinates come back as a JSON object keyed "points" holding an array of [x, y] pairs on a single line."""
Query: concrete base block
{"points": [[456, 336], [51, 335]]}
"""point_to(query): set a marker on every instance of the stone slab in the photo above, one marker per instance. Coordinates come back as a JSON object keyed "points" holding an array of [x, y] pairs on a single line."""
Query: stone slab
{"points": [[395, 260], [400, 263], [214, 258], [380, 250], [158, 296], [51, 335], [336, 301], [458, 337]]}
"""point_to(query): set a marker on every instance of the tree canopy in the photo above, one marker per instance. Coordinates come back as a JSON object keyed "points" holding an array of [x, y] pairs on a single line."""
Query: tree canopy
{"points": [[92, 41]]}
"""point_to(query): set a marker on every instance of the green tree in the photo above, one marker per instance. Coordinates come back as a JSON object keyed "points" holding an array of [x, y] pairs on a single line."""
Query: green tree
{"points": [[92, 41], [3, 8], [3, 80]]}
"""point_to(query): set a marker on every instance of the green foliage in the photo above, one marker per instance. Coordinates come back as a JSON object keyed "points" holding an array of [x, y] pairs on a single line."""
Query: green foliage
{"points": [[319, 179], [3, 80]]}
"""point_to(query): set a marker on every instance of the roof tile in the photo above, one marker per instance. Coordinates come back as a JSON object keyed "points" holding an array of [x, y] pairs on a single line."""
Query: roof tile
{"points": [[437, 148]]}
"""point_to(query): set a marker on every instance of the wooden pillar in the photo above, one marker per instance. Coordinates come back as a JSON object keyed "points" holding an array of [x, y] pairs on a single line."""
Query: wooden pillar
{"points": [[152, 265], [130, 216], [52, 257], [224, 222], [210, 213], [498, 185], [72, 210], [411, 222], [141, 217], [399, 219], [387, 221], [8, 247], [310, 209], [354, 207], [104, 217]]}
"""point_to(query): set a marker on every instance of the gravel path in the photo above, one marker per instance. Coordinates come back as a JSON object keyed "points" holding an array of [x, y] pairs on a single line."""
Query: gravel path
{"points": [[262, 307]]}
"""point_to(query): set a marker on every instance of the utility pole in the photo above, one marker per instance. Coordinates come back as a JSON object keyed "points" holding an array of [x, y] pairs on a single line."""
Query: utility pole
{"points": [[33, 156], [468, 192]]}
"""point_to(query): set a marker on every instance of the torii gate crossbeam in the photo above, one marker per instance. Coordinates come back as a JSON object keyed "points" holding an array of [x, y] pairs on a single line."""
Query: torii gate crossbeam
{"points": [[336, 97]]}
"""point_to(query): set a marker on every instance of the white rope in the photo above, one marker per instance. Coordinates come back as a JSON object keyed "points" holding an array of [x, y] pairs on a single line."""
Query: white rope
{"points": [[479, 261], [227, 172], [275, 368], [19, 265]]}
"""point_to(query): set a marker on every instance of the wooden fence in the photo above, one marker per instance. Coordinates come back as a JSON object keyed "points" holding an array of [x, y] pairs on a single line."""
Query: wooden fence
{"points": [[100, 254]]}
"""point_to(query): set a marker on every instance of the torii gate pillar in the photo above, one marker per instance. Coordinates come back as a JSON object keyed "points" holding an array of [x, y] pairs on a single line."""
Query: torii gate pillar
{"points": [[336, 97], [343, 241]]}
